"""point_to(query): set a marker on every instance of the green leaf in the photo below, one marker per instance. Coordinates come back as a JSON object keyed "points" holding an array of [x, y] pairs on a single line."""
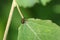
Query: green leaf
{"points": [[36, 29], [27, 3], [44, 2]]}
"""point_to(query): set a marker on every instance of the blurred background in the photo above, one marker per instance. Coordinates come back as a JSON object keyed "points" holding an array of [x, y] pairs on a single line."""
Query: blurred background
{"points": [[51, 11]]}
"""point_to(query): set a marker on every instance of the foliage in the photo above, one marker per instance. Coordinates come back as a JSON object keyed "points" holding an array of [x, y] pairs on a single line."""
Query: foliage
{"points": [[44, 2], [36, 29], [27, 3], [46, 12]]}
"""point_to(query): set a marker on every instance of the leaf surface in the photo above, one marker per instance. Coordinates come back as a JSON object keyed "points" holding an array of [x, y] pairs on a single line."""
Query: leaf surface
{"points": [[36, 29], [44, 2], [27, 3]]}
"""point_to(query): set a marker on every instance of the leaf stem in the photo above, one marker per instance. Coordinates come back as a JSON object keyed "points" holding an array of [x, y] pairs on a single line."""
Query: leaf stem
{"points": [[20, 11], [14, 4], [9, 20]]}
